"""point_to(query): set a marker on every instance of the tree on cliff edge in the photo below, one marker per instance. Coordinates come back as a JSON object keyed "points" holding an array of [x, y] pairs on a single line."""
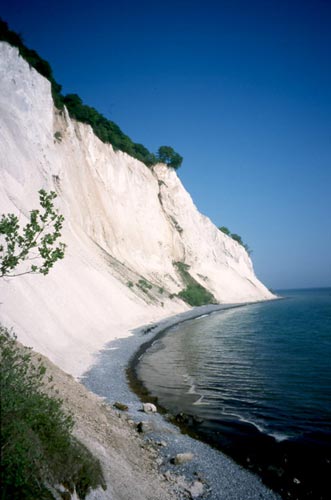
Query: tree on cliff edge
{"points": [[33, 248], [168, 155]]}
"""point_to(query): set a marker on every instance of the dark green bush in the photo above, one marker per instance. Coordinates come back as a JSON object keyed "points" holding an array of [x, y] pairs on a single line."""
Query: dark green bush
{"points": [[235, 237], [196, 295], [167, 155], [183, 271], [193, 294], [58, 136], [37, 445], [144, 285], [106, 130], [225, 230]]}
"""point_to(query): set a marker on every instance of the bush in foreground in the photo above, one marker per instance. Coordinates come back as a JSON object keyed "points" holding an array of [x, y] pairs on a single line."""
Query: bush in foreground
{"points": [[38, 450]]}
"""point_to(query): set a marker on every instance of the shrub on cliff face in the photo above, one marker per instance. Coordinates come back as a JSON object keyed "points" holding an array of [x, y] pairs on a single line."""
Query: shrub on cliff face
{"points": [[196, 295], [193, 294], [38, 450]]}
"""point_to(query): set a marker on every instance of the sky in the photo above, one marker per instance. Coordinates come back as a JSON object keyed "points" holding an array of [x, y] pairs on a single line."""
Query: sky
{"points": [[241, 89]]}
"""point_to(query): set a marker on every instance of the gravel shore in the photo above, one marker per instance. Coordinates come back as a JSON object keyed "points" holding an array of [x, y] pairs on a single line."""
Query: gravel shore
{"points": [[209, 471]]}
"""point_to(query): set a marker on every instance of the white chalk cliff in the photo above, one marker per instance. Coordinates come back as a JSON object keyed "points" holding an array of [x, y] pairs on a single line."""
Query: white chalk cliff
{"points": [[123, 222]]}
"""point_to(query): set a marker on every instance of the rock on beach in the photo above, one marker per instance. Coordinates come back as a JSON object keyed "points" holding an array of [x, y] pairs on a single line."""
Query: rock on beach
{"points": [[149, 408]]}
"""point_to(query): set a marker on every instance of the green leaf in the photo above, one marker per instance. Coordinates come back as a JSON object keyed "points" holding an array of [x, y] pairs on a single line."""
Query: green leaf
{"points": [[36, 240]]}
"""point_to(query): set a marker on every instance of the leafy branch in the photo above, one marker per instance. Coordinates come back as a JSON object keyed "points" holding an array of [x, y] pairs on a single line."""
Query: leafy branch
{"points": [[36, 241]]}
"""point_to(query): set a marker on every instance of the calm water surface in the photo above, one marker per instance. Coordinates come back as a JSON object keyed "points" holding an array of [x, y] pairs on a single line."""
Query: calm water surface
{"points": [[253, 372]]}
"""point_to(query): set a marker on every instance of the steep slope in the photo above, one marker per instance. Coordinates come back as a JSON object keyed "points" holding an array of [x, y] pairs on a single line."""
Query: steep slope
{"points": [[125, 227]]}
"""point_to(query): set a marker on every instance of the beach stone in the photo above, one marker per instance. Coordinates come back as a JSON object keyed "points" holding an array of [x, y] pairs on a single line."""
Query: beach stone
{"points": [[199, 477], [181, 483], [149, 408], [168, 476], [121, 406], [143, 427], [196, 489], [182, 458]]}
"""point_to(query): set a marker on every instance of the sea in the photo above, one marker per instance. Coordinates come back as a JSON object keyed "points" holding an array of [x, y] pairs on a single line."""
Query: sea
{"points": [[255, 382]]}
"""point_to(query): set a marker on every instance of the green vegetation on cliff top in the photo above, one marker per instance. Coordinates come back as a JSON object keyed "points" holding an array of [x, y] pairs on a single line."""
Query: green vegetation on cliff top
{"points": [[235, 237], [106, 130]]}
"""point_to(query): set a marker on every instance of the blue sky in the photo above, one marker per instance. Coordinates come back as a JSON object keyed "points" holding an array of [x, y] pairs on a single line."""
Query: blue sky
{"points": [[241, 89]]}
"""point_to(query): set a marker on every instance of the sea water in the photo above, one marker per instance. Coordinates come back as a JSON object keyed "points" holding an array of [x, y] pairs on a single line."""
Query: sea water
{"points": [[255, 381]]}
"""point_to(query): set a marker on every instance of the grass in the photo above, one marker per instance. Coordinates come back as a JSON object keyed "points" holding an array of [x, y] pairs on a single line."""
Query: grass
{"points": [[193, 294]]}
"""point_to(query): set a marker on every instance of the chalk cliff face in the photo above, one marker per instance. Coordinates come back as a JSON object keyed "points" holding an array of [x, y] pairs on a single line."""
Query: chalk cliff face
{"points": [[124, 222]]}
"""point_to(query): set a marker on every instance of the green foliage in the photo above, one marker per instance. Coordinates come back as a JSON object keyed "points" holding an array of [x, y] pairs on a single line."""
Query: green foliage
{"points": [[9, 36], [37, 446], [58, 136], [130, 284], [238, 239], [31, 249], [197, 295], [33, 59], [144, 285], [183, 271], [105, 129], [225, 230], [176, 225], [235, 237], [168, 155], [193, 294]]}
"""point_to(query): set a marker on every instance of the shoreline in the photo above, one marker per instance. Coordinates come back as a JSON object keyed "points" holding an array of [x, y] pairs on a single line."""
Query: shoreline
{"points": [[223, 479], [293, 466], [160, 330]]}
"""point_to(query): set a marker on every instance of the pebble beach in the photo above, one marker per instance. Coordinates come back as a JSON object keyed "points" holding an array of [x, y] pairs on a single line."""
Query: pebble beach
{"points": [[208, 471]]}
